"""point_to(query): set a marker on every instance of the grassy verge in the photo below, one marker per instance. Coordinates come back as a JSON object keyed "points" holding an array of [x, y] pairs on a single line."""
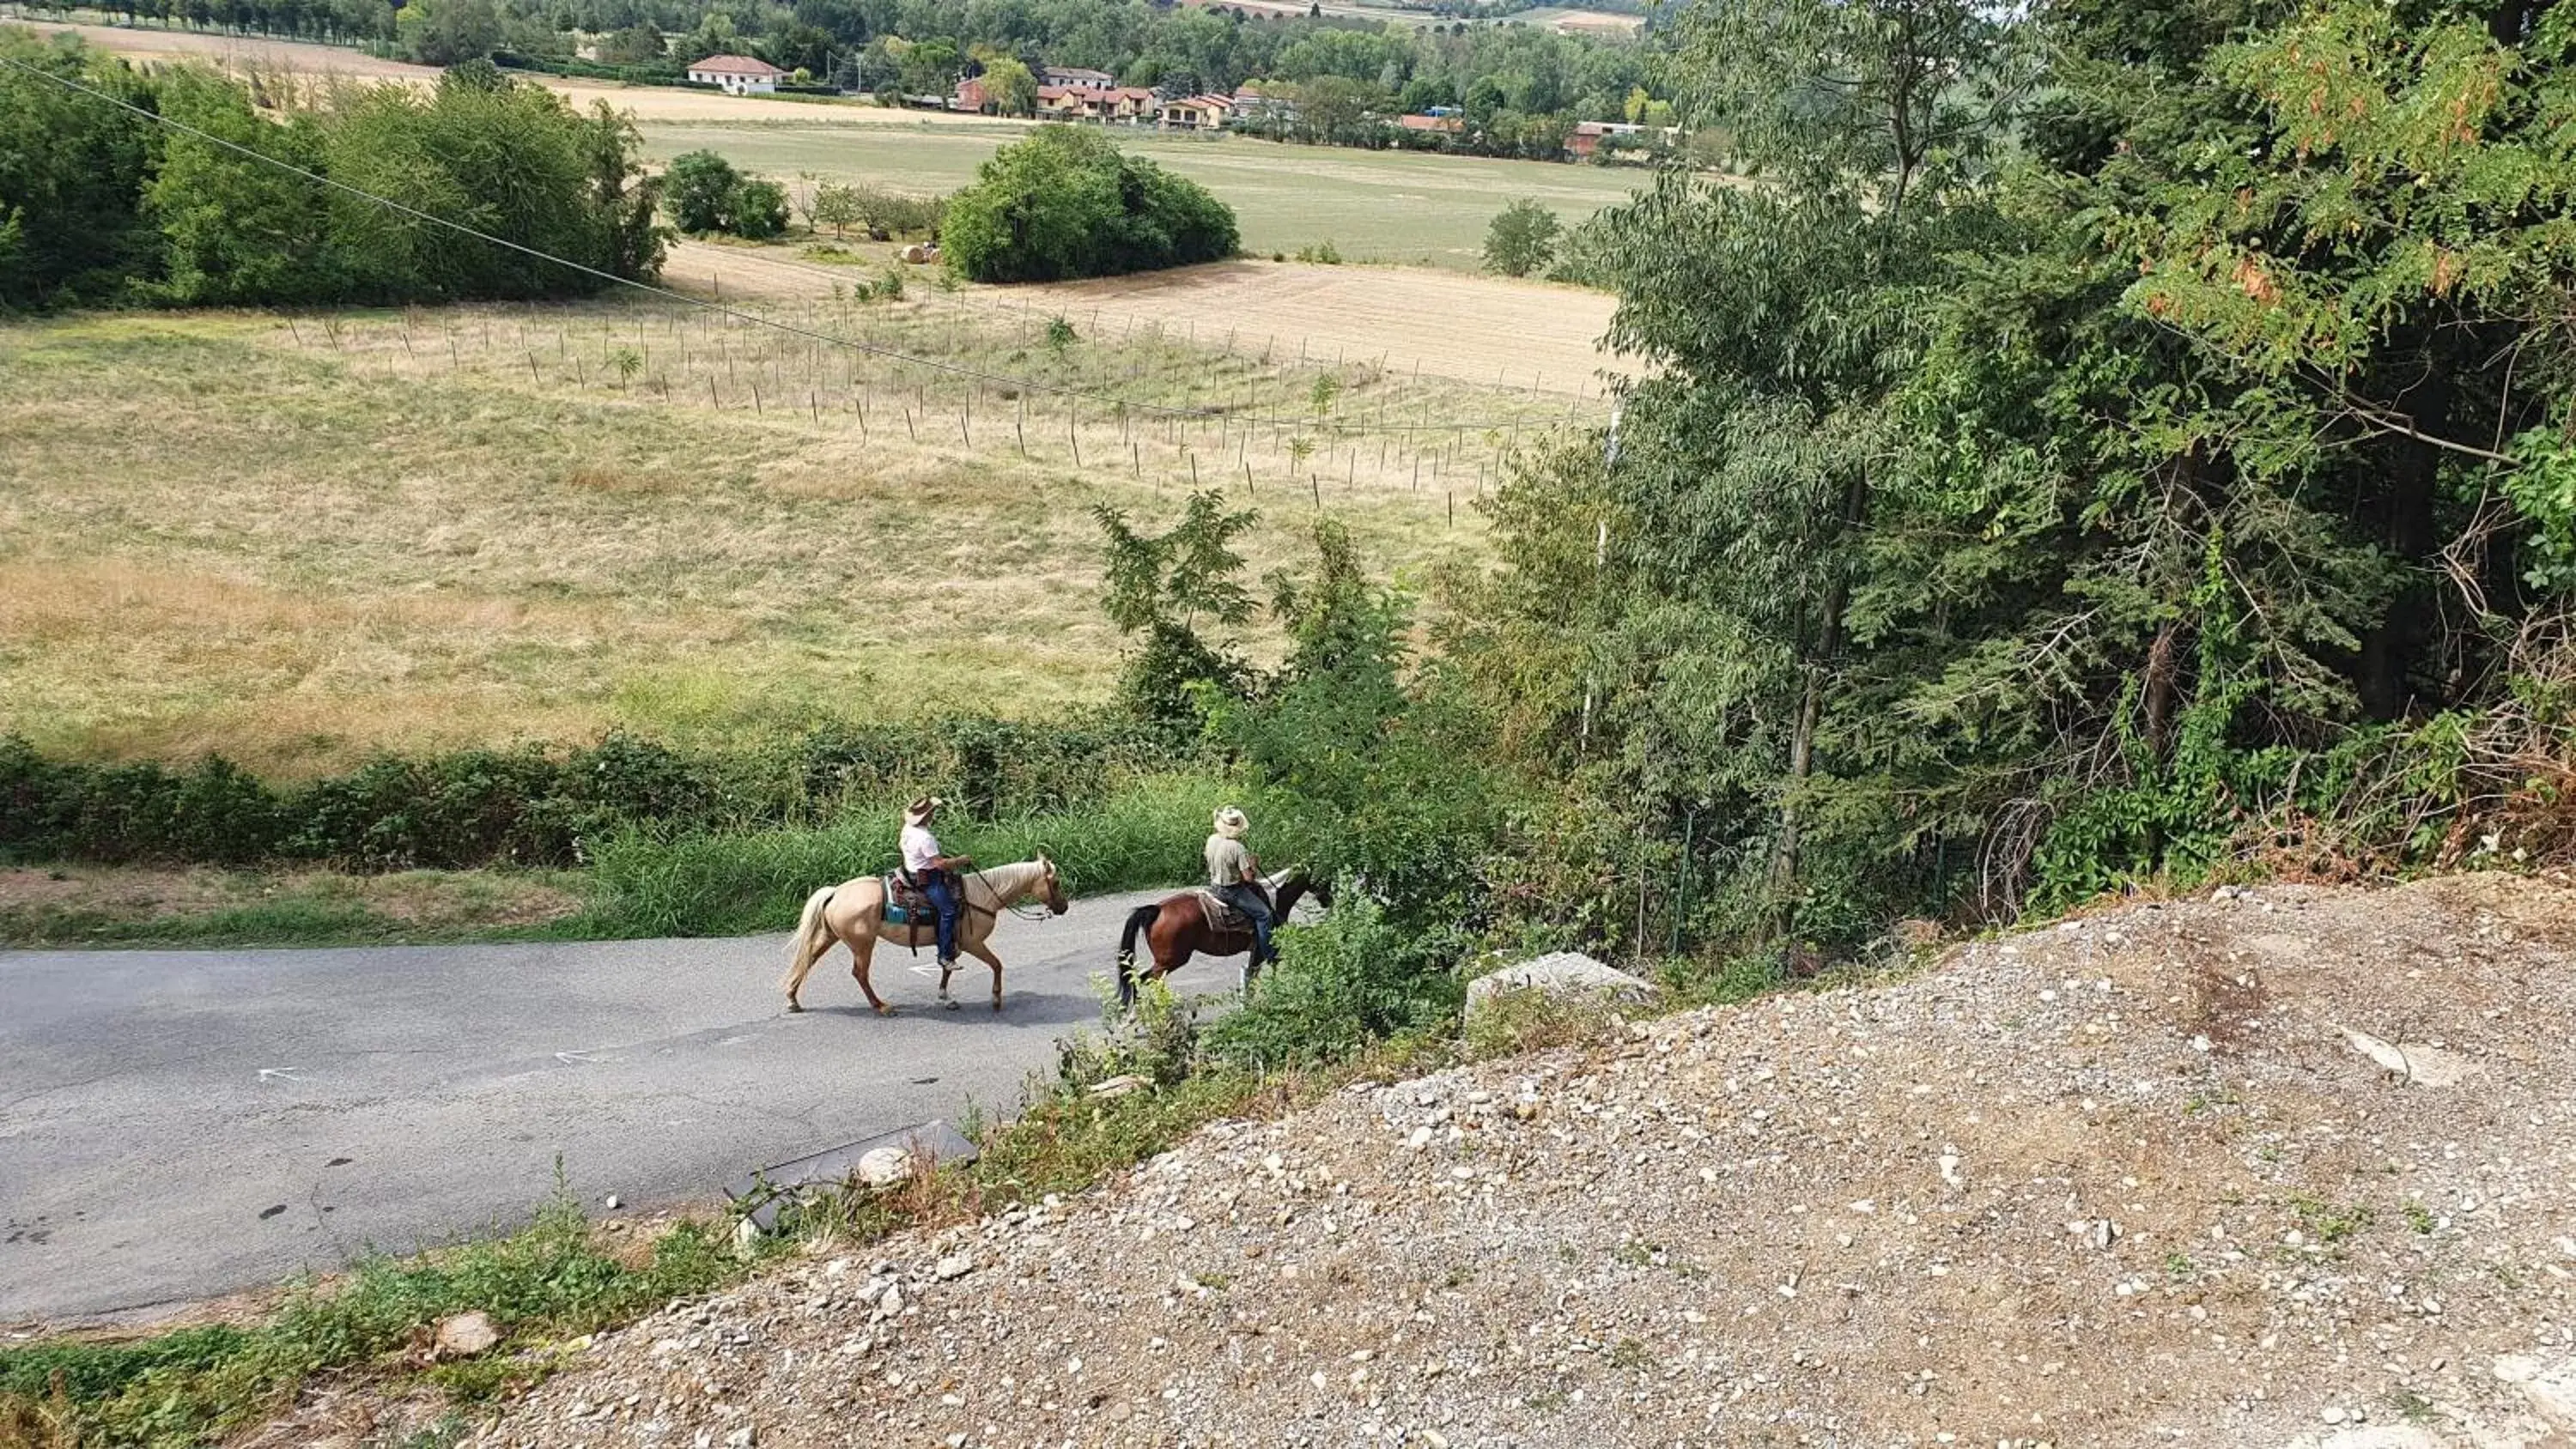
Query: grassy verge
{"points": [[85, 905], [1146, 835], [563, 1277]]}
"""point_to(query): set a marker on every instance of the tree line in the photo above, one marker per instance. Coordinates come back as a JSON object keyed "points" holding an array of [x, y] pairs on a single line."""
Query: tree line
{"points": [[1518, 87], [99, 204], [2091, 450]]}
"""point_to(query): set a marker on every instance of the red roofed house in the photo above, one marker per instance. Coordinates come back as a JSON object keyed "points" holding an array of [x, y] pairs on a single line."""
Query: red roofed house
{"points": [[1196, 113], [1587, 136], [1093, 103], [739, 75], [1439, 125]]}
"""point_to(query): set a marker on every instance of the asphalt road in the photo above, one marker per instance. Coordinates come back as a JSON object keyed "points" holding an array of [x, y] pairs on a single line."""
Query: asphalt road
{"points": [[177, 1125]]}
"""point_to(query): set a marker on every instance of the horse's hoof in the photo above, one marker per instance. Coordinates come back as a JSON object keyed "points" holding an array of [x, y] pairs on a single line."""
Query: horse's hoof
{"points": [[885, 1011], [997, 1006], [951, 1005], [793, 1008]]}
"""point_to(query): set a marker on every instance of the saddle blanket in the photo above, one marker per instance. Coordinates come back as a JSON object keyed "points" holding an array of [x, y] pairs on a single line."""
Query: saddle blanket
{"points": [[1221, 913], [903, 904]]}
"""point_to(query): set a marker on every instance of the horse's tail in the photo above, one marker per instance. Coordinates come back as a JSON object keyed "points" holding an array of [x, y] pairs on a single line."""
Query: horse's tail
{"points": [[1138, 920], [812, 939]]}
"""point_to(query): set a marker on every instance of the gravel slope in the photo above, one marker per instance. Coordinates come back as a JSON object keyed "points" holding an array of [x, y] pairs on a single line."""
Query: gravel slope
{"points": [[2122, 1181]]}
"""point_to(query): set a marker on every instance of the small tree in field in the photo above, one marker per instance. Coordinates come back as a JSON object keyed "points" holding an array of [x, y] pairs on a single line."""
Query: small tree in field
{"points": [[759, 210], [837, 206], [1522, 239], [699, 191]]}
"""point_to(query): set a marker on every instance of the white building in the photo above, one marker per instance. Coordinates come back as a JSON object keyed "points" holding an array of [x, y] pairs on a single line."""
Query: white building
{"points": [[739, 75]]}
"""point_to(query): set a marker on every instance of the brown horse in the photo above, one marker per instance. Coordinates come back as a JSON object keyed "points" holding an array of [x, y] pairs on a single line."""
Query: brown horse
{"points": [[1175, 927], [853, 913]]}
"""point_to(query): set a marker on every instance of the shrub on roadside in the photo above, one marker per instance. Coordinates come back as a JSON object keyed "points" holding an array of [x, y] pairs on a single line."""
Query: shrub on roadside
{"points": [[1341, 983]]}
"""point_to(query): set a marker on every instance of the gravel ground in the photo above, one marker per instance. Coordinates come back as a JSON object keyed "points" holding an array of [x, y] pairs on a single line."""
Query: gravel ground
{"points": [[2125, 1180]]}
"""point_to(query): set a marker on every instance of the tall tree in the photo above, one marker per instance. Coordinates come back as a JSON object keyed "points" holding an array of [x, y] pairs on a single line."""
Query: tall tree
{"points": [[1778, 320]]}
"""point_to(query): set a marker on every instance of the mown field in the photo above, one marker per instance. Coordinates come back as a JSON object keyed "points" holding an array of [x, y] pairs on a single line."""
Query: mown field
{"points": [[1373, 206], [298, 540]]}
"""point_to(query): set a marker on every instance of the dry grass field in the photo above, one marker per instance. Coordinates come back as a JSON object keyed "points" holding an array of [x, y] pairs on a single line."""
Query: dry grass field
{"points": [[299, 540], [1513, 335]]}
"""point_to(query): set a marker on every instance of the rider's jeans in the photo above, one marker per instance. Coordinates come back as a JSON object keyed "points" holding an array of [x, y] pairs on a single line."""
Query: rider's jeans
{"points": [[1256, 908], [942, 895]]}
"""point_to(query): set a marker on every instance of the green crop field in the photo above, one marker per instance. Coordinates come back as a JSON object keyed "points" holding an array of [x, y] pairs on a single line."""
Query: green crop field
{"points": [[1383, 206]]}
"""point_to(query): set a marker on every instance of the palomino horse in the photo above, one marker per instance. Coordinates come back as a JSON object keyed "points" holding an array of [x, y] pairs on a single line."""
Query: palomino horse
{"points": [[853, 913], [1176, 926]]}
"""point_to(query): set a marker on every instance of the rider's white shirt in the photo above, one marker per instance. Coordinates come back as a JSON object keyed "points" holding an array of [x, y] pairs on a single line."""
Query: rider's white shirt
{"points": [[920, 848]]}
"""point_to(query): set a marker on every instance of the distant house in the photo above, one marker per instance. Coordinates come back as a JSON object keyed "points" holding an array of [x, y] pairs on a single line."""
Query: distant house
{"points": [[1587, 136], [1264, 103], [1095, 103], [1436, 125], [1129, 103], [969, 95], [739, 75], [1076, 78], [1196, 113]]}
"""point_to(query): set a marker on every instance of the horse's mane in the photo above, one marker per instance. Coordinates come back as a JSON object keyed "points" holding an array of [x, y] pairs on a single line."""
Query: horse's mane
{"points": [[999, 885]]}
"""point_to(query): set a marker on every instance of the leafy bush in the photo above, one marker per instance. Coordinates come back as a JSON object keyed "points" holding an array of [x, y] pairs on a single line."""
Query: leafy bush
{"points": [[1064, 203], [1350, 979], [1522, 239], [759, 210]]}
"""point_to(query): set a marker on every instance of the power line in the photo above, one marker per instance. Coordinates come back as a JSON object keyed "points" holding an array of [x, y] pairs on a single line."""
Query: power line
{"points": [[717, 307]]}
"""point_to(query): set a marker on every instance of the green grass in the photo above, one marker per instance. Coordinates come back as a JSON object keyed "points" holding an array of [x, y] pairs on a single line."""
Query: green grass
{"points": [[711, 885], [638, 885], [1374, 206]]}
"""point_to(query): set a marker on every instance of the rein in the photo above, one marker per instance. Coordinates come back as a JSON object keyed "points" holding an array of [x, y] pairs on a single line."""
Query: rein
{"points": [[1030, 911]]}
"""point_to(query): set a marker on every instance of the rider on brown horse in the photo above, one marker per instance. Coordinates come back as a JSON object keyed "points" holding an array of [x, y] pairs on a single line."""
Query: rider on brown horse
{"points": [[1231, 875], [929, 872]]}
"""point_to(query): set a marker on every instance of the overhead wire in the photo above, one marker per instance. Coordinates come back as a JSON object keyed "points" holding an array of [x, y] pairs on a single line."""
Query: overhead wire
{"points": [[720, 308]]}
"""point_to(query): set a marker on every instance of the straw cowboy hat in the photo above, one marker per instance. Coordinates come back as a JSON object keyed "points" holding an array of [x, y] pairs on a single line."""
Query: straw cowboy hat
{"points": [[920, 811], [1231, 824]]}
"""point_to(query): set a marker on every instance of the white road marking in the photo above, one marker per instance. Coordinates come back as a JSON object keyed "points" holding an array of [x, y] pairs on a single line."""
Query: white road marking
{"points": [[280, 1074]]}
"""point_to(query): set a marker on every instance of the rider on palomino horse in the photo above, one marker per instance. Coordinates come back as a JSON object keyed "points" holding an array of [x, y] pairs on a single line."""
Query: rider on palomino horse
{"points": [[929, 872], [1231, 875]]}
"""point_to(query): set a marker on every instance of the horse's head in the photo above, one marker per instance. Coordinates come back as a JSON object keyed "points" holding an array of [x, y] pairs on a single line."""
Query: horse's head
{"points": [[1319, 887], [1052, 884]]}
